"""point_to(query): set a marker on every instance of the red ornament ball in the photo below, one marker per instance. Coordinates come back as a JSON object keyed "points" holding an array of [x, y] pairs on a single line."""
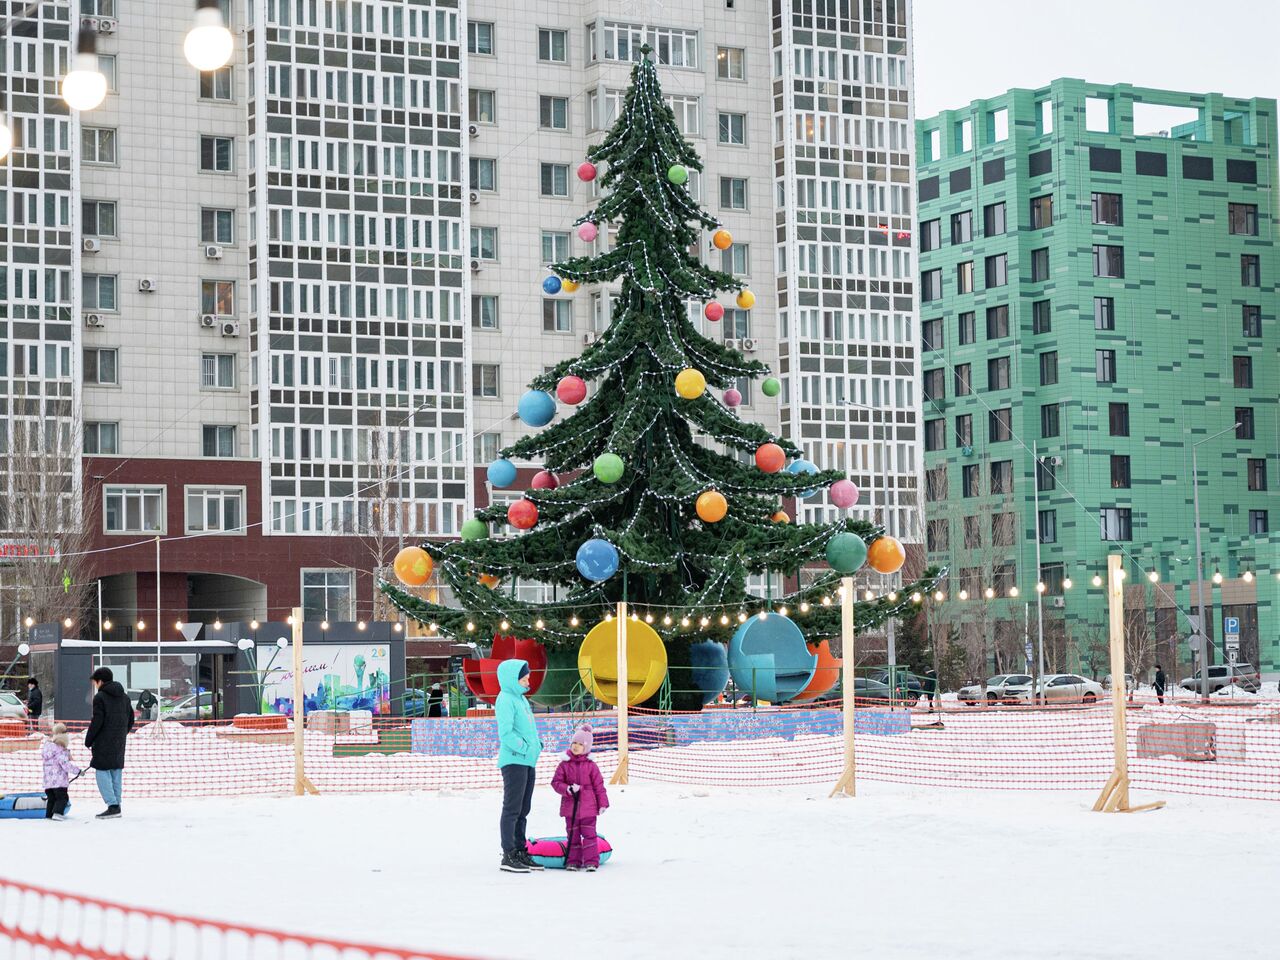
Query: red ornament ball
{"points": [[571, 390], [713, 311], [770, 457], [586, 171], [522, 514], [545, 480]]}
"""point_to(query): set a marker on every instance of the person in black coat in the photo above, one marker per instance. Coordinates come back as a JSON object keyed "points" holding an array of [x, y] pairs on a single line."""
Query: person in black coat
{"points": [[111, 723], [1159, 684], [35, 699], [929, 689], [435, 701]]}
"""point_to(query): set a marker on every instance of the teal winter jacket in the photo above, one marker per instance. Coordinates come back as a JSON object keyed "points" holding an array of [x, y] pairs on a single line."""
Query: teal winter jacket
{"points": [[517, 734]]}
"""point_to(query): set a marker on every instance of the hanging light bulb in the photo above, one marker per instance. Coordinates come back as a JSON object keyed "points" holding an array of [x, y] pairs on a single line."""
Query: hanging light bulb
{"points": [[869, 595], [1066, 583], [504, 625], [6, 136], [635, 616], [608, 618], [1217, 576], [893, 596], [433, 626], [399, 627], [217, 623], [782, 611], [1153, 576], [67, 623], [142, 624], [84, 87], [1097, 580], [1013, 591], [989, 593], [1247, 576], [30, 622], [177, 625], [471, 627], [289, 620], [963, 594], [648, 618], [573, 621], [106, 624], [1040, 587], [762, 615], [939, 596], [538, 623], [253, 624], [742, 617], [209, 43], [704, 622], [826, 601], [360, 625], [804, 606], [724, 619], [684, 621], [916, 597], [324, 624], [666, 619]]}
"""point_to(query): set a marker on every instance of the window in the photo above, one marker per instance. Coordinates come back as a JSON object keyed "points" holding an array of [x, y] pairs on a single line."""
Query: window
{"points": [[98, 144], [107, 67], [1250, 270], [964, 277], [967, 328], [218, 440], [98, 291], [1104, 313], [732, 129], [1048, 528], [1118, 419], [964, 379], [1108, 209], [1119, 471], [736, 259], [557, 316], [1042, 211], [993, 219], [1046, 478], [1003, 529], [487, 446], [731, 63], [216, 154], [964, 135], [553, 113], [1116, 522], [218, 371], [215, 510], [1104, 364], [216, 84], [1242, 219], [218, 297], [737, 323], [962, 226], [98, 218], [1044, 117], [998, 270], [970, 485], [555, 179], [1242, 372], [935, 434], [555, 246], [479, 37], [1002, 476], [997, 322], [972, 533], [1244, 421], [1108, 260], [485, 380], [1258, 522], [1041, 317], [930, 235], [484, 311], [484, 173], [1257, 472], [1048, 368], [935, 483], [553, 45], [484, 243], [998, 373], [1251, 319], [733, 193], [935, 384], [1000, 425], [101, 437], [217, 226], [964, 430], [1040, 265], [688, 114], [482, 106], [931, 285], [938, 535], [101, 366], [328, 595], [133, 509], [1050, 419], [931, 334]]}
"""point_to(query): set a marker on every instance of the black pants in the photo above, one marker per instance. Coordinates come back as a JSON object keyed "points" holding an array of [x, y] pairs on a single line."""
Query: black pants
{"points": [[55, 801], [1160, 692], [517, 797]]}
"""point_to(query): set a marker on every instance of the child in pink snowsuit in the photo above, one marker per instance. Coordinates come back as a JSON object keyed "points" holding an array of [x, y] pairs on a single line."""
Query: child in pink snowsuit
{"points": [[583, 798], [55, 758]]}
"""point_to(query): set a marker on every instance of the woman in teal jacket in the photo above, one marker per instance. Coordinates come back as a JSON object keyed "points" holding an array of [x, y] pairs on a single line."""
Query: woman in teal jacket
{"points": [[518, 749]]}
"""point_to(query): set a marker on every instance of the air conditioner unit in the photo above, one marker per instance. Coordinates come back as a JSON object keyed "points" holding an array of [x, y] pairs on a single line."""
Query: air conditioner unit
{"points": [[474, 197], [106, 25], [91, 245], [590, 337], [147, 285], [89, 24], [230, 328], [966, 451], [475, 266], [213, 252], [732, 343], [1055, 461], [208, 320], [94, 320], [1059, 601], [473, 130], [750, 344]]}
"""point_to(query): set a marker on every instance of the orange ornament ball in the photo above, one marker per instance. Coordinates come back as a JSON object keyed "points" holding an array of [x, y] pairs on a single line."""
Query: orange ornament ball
{"points": [[722, 239], [413, 566], [770, 457], [780, 517], [712, 506], [489, 580], [886, 555]]}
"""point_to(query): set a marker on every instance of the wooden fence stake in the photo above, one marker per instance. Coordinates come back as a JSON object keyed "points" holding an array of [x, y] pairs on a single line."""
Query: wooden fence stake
{"points": [[621, 775], [301, 784], [847, 785]]}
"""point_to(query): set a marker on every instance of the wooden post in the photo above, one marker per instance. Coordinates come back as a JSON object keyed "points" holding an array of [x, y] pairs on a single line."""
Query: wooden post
{"points": [[847, 785], [1115, 794], [624, 694], [301, 784]]}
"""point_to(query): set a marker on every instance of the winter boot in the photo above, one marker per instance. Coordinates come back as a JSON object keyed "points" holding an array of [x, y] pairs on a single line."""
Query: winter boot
{"points": [[58, 816], [591, 869], [527, 860], [512, 864], [111, 813], [570, 868]]}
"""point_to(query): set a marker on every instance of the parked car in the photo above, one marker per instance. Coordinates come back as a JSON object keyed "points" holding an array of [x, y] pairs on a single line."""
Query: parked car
{"points": [[1068, 688], [195, 706], [867, 689], [910, 686], [1002, 687], [1243, 675], [11, 706], [1129, 682]]}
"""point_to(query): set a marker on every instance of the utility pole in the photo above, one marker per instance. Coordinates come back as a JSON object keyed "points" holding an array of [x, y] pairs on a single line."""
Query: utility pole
{"points": [[1202, 639], [1035, 485]]}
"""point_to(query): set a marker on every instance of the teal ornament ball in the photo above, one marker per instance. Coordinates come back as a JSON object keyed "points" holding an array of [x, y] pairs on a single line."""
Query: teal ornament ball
{"points": [[608, 468], [846, 552], [677, 174]]}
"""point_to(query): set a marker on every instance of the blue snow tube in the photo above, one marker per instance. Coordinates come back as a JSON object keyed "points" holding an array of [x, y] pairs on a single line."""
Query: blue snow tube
{"points": [[25, 805]]}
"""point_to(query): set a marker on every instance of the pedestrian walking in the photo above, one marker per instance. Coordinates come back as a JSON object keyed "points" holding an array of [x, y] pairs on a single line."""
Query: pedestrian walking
{"points": [[111, 723], [1159, 684], [35, 702], [435, 701]]}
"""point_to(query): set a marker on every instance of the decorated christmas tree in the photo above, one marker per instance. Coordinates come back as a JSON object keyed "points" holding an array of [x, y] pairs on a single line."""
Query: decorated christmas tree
{"points": [[653, 489]]}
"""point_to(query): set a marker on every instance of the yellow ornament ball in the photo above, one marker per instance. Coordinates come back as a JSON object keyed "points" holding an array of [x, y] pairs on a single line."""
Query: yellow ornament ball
{"points": [[722, 239], [746, 299], [691, 384], [413, 566], [569, 286], [712, 506]]}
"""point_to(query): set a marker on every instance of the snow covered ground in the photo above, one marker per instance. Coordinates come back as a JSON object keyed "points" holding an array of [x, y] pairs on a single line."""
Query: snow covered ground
{"points": [[698, 873]]}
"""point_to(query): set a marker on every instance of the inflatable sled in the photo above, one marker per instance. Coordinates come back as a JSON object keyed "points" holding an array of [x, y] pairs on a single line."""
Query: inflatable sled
{"points": [[552, 852], [26, 805]]}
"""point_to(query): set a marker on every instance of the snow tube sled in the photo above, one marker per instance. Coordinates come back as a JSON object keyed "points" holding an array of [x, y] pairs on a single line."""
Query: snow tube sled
{"points": [[28, 805], [552, 852]]}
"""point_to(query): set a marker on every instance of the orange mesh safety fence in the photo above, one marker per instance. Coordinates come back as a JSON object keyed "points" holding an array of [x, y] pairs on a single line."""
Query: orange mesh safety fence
{"points": [[39, 923]]}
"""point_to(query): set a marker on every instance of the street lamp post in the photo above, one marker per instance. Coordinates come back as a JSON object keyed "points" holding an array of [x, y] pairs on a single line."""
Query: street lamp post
{"points": [[891, 653], [1203, 639]]}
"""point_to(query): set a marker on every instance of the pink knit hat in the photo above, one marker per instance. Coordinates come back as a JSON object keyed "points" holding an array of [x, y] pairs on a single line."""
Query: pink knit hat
{"points": [[583, 736]]}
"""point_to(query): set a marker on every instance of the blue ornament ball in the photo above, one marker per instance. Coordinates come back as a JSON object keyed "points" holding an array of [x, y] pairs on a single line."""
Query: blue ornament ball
{"points": [[597, 559], [502, 473], [803, 466], [551, 285], [536, 408]]}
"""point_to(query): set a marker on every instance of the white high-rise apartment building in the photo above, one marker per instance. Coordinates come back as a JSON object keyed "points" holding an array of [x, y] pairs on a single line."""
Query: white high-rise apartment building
{"points": [[300, 296]]}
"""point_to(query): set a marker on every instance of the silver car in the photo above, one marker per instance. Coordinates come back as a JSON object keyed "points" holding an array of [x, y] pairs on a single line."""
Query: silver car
{"points": [[1003, 687], [11, 707], [1069, 688]]}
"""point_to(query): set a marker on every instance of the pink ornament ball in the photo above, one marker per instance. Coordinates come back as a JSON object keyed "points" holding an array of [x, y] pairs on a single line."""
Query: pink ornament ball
{"points": [[844, 494], [713, 311], [586, 171], [571, 390], [732, 397], [545, 480], [587, 232]]}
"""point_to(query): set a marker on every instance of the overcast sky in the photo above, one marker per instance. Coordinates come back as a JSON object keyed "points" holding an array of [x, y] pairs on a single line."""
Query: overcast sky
{"points": [[971, 49]]}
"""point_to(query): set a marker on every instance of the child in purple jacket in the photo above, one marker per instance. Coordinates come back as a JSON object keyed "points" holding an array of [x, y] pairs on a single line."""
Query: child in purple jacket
{"points": [[55, 757], [583, 798]]}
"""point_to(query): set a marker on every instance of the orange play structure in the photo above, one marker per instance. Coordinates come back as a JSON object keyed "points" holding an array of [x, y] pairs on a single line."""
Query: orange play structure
{"points": [[825, 677]]}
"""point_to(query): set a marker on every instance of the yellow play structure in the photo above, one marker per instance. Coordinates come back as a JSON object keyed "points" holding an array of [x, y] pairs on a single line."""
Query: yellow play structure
{"points": [[646, 662]]}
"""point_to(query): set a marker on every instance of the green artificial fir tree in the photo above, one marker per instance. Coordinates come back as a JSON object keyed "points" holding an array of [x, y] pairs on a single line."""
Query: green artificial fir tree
{"points": [[652, 457]]}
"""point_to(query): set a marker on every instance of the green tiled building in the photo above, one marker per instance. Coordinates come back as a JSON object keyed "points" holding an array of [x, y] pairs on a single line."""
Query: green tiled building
{"points": [[1101, 290]]}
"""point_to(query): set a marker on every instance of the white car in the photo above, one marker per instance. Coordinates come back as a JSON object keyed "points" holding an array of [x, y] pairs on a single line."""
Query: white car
{"points": [[11, 707], [1004, 687], [1069, 688]]}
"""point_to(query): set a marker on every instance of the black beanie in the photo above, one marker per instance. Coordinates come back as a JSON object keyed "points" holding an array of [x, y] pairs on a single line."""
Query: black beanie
{"points": [[524, 671], [103, 675]]}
